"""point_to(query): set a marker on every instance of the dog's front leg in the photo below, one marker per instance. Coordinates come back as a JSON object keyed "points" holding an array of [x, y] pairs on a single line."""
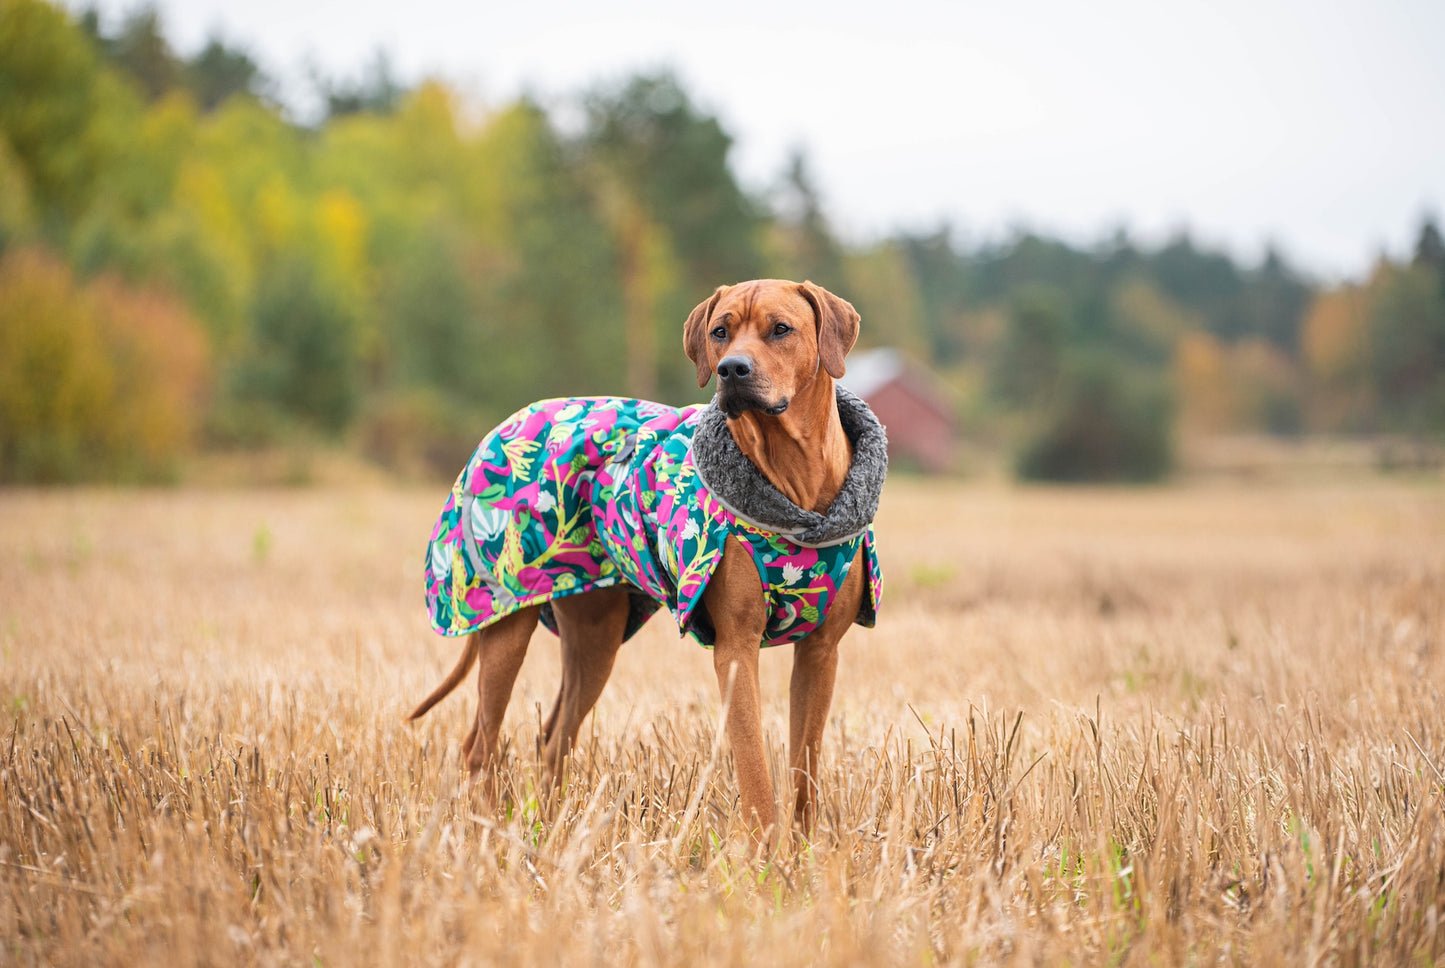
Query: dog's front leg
{"points": [[736, 663], [815, 667], [735, 603]]}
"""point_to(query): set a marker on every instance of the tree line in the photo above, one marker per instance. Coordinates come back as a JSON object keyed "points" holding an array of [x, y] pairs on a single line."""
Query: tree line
{"points": [[183, 266]]}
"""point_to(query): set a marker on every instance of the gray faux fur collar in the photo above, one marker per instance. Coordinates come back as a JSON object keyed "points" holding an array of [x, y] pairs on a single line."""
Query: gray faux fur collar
{"points": [[741, 488]]}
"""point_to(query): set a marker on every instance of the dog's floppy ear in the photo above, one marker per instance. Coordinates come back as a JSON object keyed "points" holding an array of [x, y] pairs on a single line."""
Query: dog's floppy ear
{"points": [[837, 327], [694, 335]]}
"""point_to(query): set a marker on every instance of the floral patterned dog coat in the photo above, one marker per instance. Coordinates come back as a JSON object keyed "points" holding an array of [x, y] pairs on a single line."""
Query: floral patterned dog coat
{"points": [[572, 495]]}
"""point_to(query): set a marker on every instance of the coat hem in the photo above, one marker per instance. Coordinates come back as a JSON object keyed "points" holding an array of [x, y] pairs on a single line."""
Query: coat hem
{"points": [[538, 599]]}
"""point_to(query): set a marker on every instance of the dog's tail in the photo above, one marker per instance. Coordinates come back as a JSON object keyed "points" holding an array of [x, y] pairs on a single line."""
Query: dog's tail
{"points": [[464, 665]]}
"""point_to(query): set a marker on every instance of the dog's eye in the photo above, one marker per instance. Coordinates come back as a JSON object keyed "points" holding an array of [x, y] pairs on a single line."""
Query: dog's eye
{"points": [[720, 332], [782, 329]]}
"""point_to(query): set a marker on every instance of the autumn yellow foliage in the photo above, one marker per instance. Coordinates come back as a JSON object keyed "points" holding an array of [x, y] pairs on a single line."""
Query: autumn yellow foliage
{"points": [[97, 380]]}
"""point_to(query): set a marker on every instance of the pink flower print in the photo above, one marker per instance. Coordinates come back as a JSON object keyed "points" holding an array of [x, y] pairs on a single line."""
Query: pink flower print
{"points": [[535, 581]]}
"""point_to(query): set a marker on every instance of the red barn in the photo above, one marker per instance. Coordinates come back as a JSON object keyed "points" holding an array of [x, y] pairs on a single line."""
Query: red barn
{"points": [[906, 399]]}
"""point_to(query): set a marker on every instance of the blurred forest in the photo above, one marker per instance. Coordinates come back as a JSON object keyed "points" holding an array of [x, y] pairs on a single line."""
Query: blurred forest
{"points": [[184, 268]]}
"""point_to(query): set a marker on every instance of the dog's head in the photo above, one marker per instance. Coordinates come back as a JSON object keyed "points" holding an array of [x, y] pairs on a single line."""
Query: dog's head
{"points": [[766, 341]]}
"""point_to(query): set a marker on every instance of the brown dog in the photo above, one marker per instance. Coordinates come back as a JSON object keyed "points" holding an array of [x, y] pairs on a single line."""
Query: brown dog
{"points": [[776, 347]]}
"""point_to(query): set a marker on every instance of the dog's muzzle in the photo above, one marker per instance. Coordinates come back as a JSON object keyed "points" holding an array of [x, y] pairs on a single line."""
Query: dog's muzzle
{"points": [[738, 390], [738, 400]]}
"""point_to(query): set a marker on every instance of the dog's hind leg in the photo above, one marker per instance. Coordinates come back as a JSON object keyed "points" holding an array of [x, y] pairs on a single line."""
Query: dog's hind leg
{"points": [[500, 650], [591, 626]]}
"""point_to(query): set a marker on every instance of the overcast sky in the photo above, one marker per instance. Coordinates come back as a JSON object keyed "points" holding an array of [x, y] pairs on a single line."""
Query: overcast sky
{"points": [[1317, 125]]}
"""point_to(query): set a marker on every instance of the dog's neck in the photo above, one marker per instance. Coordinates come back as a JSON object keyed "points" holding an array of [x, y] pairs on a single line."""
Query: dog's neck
{"points": [[802, 451]]}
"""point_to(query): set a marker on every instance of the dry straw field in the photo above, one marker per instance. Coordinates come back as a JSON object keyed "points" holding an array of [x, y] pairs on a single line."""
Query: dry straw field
{"points": [[1197, 725]]}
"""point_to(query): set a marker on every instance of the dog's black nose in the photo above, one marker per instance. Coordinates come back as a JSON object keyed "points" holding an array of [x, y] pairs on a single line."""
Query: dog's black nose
{"points": [[734, 368]]}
